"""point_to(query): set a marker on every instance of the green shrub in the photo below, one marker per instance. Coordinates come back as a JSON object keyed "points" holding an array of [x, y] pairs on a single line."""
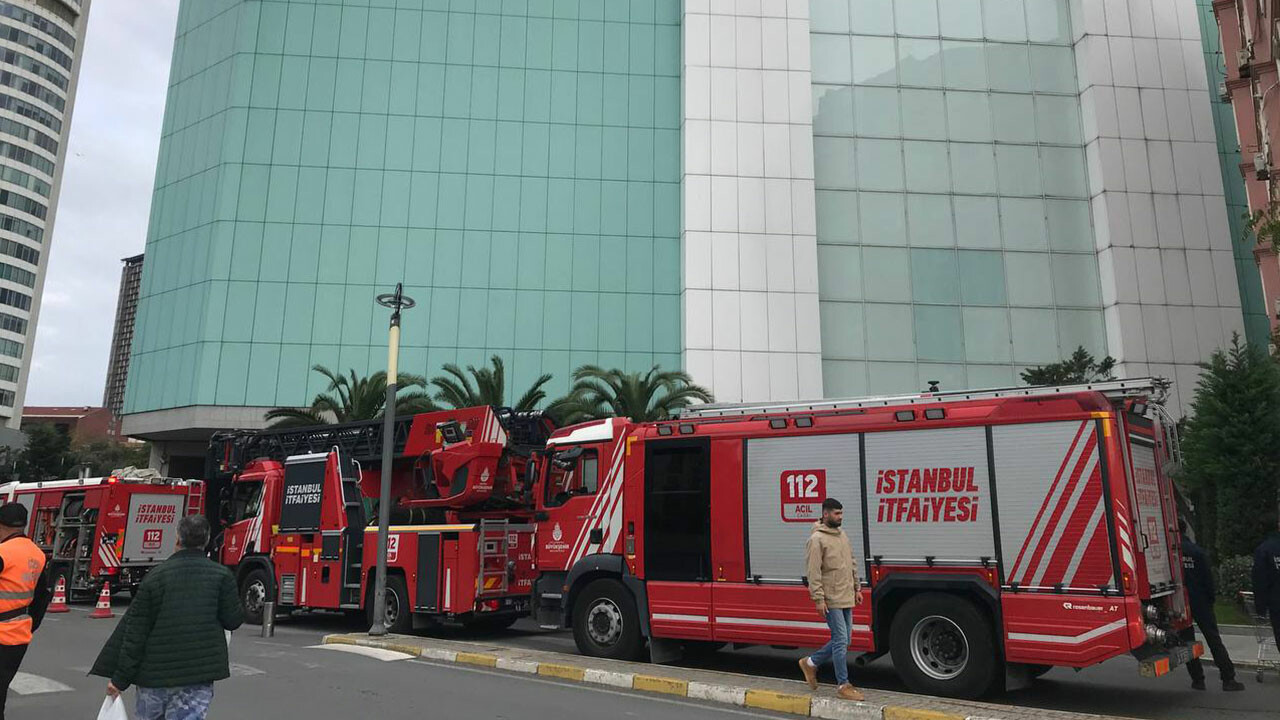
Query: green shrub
{"points": [[1235, 574]]}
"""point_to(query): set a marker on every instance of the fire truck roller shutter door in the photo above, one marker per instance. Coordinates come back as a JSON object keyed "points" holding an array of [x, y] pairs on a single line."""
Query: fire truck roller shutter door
{"points": [[1151, 522], [787, 480], [929, 496], [151, 534], [1052, 514]]}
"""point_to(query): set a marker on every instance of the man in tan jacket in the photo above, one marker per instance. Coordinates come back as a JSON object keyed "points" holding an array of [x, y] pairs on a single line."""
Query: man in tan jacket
{"points": [[834, 588]]}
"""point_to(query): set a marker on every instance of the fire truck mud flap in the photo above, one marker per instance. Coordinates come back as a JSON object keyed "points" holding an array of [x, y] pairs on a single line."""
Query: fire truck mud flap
{"points": [[1163, 663]]}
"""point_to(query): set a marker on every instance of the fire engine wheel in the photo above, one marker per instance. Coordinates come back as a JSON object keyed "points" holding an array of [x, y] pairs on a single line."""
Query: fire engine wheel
{"points": [[942, 645], [605, 621], [255, 590], [399, 616]]}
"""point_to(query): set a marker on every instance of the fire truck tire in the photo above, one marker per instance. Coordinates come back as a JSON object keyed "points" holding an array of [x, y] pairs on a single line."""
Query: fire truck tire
{"points": [[605, 621], [399, 617], [943, 645], [255, 589]]}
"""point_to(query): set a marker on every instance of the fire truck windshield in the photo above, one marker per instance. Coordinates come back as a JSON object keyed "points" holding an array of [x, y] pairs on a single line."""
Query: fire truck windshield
{"points": [[580, 478], [246, 499]]}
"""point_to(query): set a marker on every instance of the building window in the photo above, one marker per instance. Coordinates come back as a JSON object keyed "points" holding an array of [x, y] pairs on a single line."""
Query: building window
{"points": [[17, 274], [8, 373], [23, 203], [26, 109], [35, 67], [20, 37], [27, 86], [21, 227], [27, 17], [6, 398], [15, 299], [12, 348], [13, 323], [23, 155], [20, 251], [19, 178]]}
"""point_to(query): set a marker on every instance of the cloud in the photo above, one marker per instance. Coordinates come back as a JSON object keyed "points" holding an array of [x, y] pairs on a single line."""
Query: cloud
{"points": [[105, 201]]}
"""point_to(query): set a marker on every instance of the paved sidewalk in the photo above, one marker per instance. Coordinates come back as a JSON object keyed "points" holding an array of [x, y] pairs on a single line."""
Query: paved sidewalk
{"points": [[762, 693], [1242, 644]]}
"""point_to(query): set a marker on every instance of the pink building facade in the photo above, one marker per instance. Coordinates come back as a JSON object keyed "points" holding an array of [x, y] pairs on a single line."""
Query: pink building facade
{"points": [[1249, 47]]}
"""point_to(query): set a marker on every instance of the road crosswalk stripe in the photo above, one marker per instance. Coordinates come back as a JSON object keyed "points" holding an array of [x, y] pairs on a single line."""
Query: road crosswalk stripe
{"points": [[29, 684]]}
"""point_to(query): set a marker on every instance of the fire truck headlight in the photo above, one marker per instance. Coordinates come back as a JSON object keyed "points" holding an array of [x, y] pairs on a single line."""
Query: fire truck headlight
{"points": [[1151, 612]]}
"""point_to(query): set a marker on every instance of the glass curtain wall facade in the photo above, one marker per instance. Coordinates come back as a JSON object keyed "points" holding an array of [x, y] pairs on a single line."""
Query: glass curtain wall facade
{"points": [[954, 236], [515, 163]]}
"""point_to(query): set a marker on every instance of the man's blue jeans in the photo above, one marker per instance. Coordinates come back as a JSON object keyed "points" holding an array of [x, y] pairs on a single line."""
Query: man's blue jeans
{"points": [[840, 620], [189, 702]]}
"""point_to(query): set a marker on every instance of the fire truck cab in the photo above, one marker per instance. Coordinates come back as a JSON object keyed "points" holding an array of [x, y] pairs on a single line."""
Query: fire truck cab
{"points": [[999, 533], [108, 529]]}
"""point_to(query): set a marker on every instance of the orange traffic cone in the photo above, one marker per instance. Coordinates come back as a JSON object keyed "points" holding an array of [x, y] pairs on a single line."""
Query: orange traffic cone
{"points": [[59, 602], [103, 610]]}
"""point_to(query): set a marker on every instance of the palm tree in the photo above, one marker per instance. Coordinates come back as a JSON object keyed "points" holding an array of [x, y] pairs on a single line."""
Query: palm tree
{"points": [[354, 398], [598, 393], [455, 388]]}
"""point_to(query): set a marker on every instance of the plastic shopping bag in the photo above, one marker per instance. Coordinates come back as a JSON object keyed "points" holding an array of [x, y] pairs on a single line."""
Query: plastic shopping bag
{"points": [[113, 709]]}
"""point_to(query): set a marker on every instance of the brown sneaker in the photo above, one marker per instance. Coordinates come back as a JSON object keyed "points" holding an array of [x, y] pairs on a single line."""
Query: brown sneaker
{"points": [[849, 692], [810, 673]]}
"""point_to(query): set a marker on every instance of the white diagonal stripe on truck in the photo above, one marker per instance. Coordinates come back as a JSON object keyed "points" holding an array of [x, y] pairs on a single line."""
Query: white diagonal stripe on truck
{"points": [[1064, 518], [1055, 492]]}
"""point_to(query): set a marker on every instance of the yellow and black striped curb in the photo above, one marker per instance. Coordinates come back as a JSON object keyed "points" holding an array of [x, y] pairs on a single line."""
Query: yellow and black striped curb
{"points": [[795, 704]]}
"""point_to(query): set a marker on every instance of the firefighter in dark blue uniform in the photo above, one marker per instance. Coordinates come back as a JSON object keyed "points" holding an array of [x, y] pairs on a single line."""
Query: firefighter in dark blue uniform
{"points": [[1197, 574], [1266, 581]]}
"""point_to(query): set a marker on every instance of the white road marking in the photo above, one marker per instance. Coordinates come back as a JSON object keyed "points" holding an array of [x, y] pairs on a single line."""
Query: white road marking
{"points": [[375, 653], [238, 670], [28, 684]]}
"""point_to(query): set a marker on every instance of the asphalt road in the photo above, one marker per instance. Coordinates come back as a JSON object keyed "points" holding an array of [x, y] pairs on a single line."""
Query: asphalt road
{"points": [[285, 677], [286, 674]]}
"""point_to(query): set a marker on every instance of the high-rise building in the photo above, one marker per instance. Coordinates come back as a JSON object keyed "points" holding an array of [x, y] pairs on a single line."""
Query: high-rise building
{"points": [[39, 61], [122, 338], [787, 198]]}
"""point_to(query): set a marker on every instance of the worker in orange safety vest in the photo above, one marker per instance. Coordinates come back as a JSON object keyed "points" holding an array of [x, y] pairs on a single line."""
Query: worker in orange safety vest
{"points": [[24, 592]]}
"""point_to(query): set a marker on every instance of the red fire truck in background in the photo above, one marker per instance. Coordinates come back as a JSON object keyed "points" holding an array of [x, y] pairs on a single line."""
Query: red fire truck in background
{"points": [[1002, 532], [298, 508], [106, 530]]}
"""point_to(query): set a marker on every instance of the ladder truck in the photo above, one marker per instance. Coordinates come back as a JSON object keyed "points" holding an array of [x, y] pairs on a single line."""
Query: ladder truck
{"points": [[107, 529], [297, 508], [999, 533]]}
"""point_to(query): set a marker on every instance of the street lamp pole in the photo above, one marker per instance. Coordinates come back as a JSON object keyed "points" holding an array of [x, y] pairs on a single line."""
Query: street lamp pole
{"points": [[396, 301]]}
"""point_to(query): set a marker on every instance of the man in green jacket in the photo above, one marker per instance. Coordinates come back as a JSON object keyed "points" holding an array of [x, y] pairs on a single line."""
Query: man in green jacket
{"points": [[171, 643]]}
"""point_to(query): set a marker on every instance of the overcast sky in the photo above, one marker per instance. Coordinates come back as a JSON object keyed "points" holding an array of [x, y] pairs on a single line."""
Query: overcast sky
{"points": [[106, 195]]}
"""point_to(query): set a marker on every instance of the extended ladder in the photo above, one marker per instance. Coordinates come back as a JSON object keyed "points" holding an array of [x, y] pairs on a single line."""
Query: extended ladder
{"points": [[1113, 389]]}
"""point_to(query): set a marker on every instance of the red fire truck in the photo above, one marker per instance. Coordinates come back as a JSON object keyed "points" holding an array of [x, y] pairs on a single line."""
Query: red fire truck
{"points": [[461, 545], [1001, 532], [106, 530]]}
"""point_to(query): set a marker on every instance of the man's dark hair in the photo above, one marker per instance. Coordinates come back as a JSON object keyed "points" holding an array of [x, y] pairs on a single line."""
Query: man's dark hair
{"points": [[193, 532], [831, 504], [13, 515]]}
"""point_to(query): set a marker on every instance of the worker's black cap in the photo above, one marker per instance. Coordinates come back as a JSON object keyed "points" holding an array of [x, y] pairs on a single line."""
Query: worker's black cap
{"points": [[13, 515]]}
